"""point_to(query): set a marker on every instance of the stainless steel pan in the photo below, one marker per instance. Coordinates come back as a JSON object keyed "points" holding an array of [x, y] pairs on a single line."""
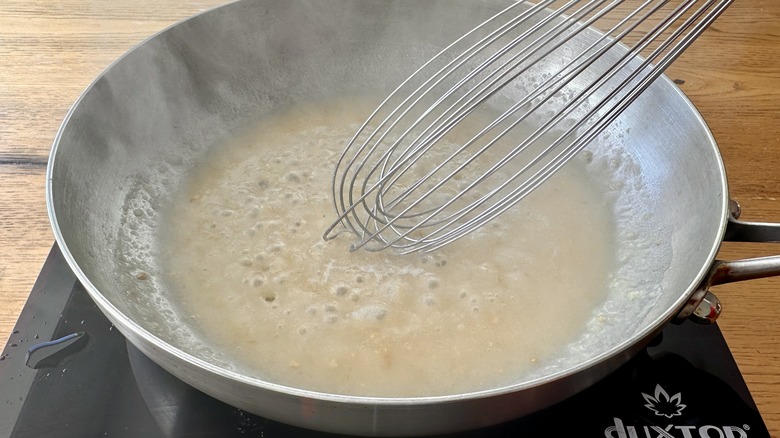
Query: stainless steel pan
{"points": [[153, 115]]}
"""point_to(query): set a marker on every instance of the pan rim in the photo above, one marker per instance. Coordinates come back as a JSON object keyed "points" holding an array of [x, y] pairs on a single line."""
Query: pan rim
{"points": [[124, 323]]}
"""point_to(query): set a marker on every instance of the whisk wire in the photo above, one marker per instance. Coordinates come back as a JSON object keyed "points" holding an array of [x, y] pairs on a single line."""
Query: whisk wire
{"points": [[376, 190]]}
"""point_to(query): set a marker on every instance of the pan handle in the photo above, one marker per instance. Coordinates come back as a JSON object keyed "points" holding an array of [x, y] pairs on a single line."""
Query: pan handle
{"points": [[704, 306]]}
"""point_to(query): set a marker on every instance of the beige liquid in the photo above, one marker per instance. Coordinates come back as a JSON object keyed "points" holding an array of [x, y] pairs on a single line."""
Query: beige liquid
{"points": [[245, 258]]}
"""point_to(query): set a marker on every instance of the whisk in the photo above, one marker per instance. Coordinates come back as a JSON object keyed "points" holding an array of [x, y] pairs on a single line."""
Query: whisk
{"points": [[496, 113]]}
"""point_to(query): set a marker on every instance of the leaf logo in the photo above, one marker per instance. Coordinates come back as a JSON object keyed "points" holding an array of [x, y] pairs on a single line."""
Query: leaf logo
{"points": [[662, 405]]}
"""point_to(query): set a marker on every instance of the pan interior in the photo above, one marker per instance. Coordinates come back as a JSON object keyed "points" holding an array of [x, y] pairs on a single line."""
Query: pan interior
{"points": [[243, 237]]}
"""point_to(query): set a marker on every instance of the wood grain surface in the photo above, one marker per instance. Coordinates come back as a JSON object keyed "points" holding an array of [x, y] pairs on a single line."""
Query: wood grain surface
{"points": [[50, 50]]}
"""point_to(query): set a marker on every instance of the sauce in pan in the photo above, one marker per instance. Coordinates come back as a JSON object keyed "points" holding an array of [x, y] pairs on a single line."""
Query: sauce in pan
{"points": [[247, 264]]}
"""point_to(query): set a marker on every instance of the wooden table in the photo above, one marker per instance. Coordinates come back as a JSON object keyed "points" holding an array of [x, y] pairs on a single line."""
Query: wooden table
{"points": [[51, 50]]}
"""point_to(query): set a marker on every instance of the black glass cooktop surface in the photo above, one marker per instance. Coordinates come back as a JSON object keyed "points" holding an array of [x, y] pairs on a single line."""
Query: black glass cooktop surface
{"points": [[66, 372]]}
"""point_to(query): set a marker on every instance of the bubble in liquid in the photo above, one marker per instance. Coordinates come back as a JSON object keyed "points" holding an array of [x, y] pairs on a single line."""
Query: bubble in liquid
{"points": [[293, 177], [330, 319], [370, 312], [588, 155]]}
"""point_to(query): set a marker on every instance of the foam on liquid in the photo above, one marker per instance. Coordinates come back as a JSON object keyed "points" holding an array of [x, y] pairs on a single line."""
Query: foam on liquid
{"points": [[243, 255]]}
